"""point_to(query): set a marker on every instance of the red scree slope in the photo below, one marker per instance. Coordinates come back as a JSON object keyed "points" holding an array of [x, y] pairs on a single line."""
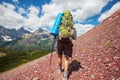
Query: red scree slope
{"points": [[96, 56]]}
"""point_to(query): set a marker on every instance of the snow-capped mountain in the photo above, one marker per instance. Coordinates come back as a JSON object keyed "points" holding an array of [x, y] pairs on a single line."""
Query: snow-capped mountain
{"points": [[22, 39], [11, 34], [29, 29], [40, 39]]}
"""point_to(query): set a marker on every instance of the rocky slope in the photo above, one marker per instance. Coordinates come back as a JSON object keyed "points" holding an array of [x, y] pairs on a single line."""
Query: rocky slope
{"points": [[96, 56]]}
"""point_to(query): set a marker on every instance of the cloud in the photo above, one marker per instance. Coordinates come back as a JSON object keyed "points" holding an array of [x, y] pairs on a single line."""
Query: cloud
{"points": [[33, 20], [15, 1], [9, 17], [81, 29], [33, 12], [108, 13], [80, 9], [21, 10]]}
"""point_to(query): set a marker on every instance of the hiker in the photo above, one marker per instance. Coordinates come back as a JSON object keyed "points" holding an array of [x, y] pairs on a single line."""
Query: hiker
{"points": [[64, 43]]}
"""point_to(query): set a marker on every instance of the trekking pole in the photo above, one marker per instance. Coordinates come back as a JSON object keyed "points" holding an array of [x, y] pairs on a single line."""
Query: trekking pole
{"points": [[54, 41]]}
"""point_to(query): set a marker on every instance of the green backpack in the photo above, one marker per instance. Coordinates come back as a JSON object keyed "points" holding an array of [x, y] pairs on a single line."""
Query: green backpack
{"points": [[66, 29]]}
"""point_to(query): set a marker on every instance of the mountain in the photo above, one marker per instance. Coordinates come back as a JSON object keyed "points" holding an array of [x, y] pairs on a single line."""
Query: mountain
{"points": [[96, 56], [40, 39], [22, 31], [29, 29], [7, 32], [11, 34], [42, 33]]}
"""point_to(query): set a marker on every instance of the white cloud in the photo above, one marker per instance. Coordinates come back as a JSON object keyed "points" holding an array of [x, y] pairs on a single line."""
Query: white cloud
{"points": [[33, 12], [50, 12], [21, 10], [81, 29], [32, 21], [108, 13], [9, 17], [15, 1], [81, 10]]}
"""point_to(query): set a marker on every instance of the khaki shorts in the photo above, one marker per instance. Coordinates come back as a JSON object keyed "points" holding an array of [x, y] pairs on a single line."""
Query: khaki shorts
{"points": [[64, 47]]}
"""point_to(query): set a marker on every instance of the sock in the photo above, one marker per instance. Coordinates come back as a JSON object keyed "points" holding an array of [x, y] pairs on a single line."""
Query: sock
{"points": [[65, 74]]}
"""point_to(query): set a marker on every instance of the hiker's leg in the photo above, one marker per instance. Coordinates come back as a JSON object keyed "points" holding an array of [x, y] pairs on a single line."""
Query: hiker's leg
{"points": [[59, 60], [60, 51], [67, 53], [66, 62], [59, 63]]}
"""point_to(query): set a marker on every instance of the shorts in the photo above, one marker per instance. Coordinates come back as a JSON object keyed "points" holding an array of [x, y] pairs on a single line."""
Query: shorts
{"points": [[64, 47]]}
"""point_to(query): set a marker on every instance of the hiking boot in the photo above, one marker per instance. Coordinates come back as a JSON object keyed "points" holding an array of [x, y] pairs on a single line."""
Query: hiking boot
{"points": [[65, 78], [65, 75], [60, 70]]}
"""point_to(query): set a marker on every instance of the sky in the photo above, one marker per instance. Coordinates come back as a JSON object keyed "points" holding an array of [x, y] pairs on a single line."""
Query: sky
{"points": [[34, 14]]}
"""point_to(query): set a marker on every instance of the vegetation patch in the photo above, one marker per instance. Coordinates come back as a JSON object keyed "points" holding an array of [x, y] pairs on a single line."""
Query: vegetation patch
{"points": [[16, 58]]}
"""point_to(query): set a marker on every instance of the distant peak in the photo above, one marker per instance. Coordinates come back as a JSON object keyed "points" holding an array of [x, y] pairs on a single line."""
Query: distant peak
{"points": [[21, 28], [40, 30]]}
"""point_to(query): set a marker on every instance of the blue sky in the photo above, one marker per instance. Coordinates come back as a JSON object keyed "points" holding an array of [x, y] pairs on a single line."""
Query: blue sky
{"points": [[34, 14]]}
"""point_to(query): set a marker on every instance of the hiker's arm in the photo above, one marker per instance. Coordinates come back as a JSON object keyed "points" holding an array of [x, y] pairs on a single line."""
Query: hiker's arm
{"points": [[74, 36]]}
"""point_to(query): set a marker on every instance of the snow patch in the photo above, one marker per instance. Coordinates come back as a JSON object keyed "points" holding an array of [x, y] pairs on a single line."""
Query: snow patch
{"points": [[7, 38]]}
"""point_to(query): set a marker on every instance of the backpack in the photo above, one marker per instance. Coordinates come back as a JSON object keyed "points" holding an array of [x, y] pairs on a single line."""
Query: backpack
{"points": [[66, 29]]}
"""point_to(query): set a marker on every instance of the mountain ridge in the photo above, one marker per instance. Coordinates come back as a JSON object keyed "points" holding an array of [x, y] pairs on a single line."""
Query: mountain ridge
{"points": [[33, 41], [22, 39], [12, 33]]}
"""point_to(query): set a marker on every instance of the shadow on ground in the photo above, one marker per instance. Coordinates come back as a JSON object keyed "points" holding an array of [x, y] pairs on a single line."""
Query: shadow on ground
{"points": [[74, 66]]}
